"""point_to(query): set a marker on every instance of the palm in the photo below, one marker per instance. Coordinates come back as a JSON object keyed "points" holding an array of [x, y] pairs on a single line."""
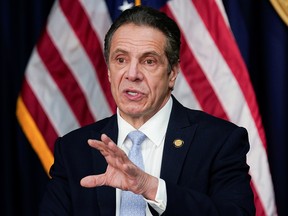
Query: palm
{"points": [[121, 172]]}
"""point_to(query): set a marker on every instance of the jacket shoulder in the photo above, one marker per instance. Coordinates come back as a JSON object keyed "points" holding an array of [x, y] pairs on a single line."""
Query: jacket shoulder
{"points": [[80, 135]]}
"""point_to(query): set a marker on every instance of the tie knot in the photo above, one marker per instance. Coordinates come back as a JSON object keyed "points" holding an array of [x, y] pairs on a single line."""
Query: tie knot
{"points": [[137, 137]]}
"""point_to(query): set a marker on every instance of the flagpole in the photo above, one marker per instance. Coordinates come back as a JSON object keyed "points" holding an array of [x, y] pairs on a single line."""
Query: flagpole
{"points": [[137, 2]]}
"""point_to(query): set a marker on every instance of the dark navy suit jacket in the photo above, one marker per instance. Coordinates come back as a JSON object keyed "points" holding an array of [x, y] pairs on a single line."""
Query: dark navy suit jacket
{"points": [[208, 175]]}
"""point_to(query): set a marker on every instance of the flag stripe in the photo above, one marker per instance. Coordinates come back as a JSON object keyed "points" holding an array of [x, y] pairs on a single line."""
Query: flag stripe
{"points": [[80, 65], [196, 78], [212, 63], [49, 96], [249, 115], [38, 115], [83, 29], [228, 48], [62, 74], [99, 18], [182, 90], [199, 83]]}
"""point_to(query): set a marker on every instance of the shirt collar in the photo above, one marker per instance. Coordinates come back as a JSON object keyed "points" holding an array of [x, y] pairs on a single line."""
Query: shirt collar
{"points": [[159, 121]]}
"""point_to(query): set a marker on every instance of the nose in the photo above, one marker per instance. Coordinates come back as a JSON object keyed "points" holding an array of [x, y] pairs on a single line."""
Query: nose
{"points": [[133, 72]]}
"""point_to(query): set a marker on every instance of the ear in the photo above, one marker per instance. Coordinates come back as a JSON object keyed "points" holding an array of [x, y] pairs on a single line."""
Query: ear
{"points": [[173, 75], [109, 78]]}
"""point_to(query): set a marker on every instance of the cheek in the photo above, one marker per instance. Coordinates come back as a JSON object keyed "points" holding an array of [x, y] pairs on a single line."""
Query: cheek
{"points": [[113, 79], [157, 87], [112, 83], [116, 85]]}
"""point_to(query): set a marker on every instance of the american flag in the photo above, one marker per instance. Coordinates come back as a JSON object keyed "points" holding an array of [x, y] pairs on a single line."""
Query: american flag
{"points": [[66, 86]]}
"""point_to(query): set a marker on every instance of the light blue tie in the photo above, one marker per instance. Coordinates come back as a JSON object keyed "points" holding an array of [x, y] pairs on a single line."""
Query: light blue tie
{"points": [[134, 204]]}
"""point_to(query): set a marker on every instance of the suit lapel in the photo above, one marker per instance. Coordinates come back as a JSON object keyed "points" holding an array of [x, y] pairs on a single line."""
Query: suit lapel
{"points": [[106, 196], [179, 128]]}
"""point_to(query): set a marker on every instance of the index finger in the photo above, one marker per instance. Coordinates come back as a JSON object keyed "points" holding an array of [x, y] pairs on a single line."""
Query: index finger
{"points": [[105, 146]]}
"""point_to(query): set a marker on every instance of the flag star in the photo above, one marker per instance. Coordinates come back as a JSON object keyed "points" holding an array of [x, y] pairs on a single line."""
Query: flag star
{"points": [[125, 6]]}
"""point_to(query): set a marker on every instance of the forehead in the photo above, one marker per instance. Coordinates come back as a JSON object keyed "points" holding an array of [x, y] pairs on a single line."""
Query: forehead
{"points": [[133, 37]]}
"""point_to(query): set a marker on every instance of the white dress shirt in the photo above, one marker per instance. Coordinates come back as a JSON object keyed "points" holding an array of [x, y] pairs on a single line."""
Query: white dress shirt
{"points": [[152, 150]]}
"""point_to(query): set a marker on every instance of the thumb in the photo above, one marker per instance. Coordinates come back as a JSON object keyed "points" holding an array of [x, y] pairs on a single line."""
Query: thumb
{"points": [[92, 181]]}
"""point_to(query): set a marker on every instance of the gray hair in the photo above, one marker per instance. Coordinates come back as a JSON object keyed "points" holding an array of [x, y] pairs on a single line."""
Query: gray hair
{"points": [[146, 16]]}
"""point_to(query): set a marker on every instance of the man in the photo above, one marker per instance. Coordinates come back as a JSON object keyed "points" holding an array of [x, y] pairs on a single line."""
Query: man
{"points": [[194, 164]]}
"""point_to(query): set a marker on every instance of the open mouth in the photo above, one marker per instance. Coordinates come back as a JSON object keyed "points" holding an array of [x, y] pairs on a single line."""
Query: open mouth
{"points": [[132, 93]]}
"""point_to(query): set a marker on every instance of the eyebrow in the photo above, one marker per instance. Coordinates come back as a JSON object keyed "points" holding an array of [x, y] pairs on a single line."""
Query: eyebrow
{"points": [[119, 51], [154, 53], [151, 53]]}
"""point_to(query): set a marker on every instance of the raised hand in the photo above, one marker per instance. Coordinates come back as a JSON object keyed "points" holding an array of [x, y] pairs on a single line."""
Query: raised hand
{"points": [[121, 172]]}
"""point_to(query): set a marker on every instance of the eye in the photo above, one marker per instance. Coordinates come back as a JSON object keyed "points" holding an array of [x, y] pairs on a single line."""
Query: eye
{"points": [[149, 62], [120, 60]]}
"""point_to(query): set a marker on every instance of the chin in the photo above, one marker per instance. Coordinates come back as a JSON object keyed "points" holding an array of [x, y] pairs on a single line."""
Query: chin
{"points": [[132, 111]]}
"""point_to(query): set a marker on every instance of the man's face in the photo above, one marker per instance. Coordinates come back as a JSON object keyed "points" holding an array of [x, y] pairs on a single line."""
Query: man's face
{"points": [[138, 72]]}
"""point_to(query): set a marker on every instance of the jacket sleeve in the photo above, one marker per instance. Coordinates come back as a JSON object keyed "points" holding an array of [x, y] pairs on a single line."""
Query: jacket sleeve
{"points": [[56, 200]]}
